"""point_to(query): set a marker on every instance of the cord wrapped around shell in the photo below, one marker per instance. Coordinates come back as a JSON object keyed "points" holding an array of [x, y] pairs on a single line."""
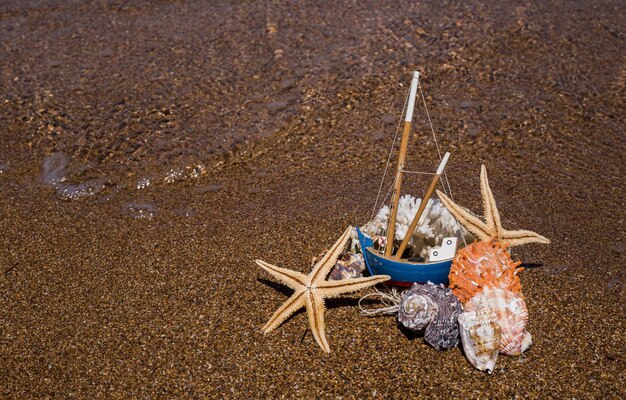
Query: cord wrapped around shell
{"points": [[512, 316], [433, 309], [480, 265], [480, 335]]}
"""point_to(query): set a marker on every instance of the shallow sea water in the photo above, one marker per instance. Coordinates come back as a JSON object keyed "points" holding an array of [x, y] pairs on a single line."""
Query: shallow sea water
{"points": [[151, 150]]}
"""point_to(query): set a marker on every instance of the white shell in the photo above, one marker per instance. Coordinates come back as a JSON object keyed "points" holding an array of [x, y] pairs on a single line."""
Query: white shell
{"points": [[512, 317], [480, 335]]}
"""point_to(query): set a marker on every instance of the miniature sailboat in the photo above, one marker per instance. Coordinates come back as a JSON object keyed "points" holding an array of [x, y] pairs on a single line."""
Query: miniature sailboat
{"points": [[402, 271]]}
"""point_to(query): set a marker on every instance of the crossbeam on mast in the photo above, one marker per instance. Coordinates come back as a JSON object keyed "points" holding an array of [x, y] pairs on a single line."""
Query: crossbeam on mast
{"points": [[422, 207]]}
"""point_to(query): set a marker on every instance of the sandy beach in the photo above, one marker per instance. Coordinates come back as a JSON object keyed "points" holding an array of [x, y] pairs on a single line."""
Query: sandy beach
{"points": [[151, 151]]}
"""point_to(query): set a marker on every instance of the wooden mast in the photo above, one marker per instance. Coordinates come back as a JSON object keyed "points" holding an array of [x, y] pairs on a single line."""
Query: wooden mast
{"points": [[391, 231], [420, 210]]}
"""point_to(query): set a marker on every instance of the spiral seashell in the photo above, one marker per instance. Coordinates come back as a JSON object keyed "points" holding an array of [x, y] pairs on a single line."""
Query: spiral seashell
{"points": [[433, 309], [480, 265], [480, 335], [348, 266], [512, 316], [416, 311]]}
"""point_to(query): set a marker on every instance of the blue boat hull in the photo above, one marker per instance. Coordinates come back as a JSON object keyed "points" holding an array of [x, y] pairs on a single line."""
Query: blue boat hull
{"points": [[403, 273]]}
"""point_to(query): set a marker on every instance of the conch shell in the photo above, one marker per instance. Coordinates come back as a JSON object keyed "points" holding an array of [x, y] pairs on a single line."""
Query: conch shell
{"points": [[480, 335], [512, 317], [434, 309], [480, 265]]}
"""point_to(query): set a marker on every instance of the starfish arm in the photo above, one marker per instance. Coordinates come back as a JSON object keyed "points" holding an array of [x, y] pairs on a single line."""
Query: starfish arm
{"points": [[293, 279], [335, 288], [465, 218], [315, 310], [325, 264], [492, 216], [293, 304], [517, 238]]}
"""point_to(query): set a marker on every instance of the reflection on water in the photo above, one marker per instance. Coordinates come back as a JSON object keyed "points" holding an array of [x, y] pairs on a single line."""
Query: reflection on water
{"points": [[140, 209], [143, 183], [76, 181], [56, 173]]}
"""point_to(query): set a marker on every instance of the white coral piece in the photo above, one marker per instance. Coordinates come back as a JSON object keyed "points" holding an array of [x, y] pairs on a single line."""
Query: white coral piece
{"points": [[435, 224]]}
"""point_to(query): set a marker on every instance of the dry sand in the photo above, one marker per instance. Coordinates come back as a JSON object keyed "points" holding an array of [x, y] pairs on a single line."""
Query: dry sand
{"points": [[291, 108]]}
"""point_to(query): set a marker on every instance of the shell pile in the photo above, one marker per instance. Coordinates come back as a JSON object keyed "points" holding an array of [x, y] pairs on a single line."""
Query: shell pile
{"points": [[484, 278], [433, 309], [480, 265]]}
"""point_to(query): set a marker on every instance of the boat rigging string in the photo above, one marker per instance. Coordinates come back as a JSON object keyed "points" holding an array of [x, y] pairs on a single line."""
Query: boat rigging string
{"points": [[445, 183], [382, 181]]}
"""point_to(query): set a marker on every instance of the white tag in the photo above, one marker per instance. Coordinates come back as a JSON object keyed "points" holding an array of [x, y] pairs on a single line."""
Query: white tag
{"points": [[445, 252]]}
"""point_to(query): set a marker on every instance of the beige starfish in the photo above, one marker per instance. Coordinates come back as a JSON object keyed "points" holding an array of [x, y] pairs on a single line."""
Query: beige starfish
{"points": [[310, 291], [491, 228]]}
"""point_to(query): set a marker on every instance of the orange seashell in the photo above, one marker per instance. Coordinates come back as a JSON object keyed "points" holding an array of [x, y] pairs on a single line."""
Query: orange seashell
{"points": [[480, 265]]}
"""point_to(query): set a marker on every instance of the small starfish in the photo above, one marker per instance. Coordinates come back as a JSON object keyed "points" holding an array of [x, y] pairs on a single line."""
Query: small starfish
{"points": [[491, 228], [310, 291]]}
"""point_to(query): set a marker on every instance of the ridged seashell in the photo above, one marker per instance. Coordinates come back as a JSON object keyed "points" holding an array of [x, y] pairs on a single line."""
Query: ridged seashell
{"points": [[512, 316], [348, 266], [480, 265], [434, 309], [416, 311], [480, 335]]}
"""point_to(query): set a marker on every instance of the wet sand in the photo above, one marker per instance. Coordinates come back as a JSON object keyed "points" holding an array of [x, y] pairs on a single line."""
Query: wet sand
{"points": [[290, 109]]}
